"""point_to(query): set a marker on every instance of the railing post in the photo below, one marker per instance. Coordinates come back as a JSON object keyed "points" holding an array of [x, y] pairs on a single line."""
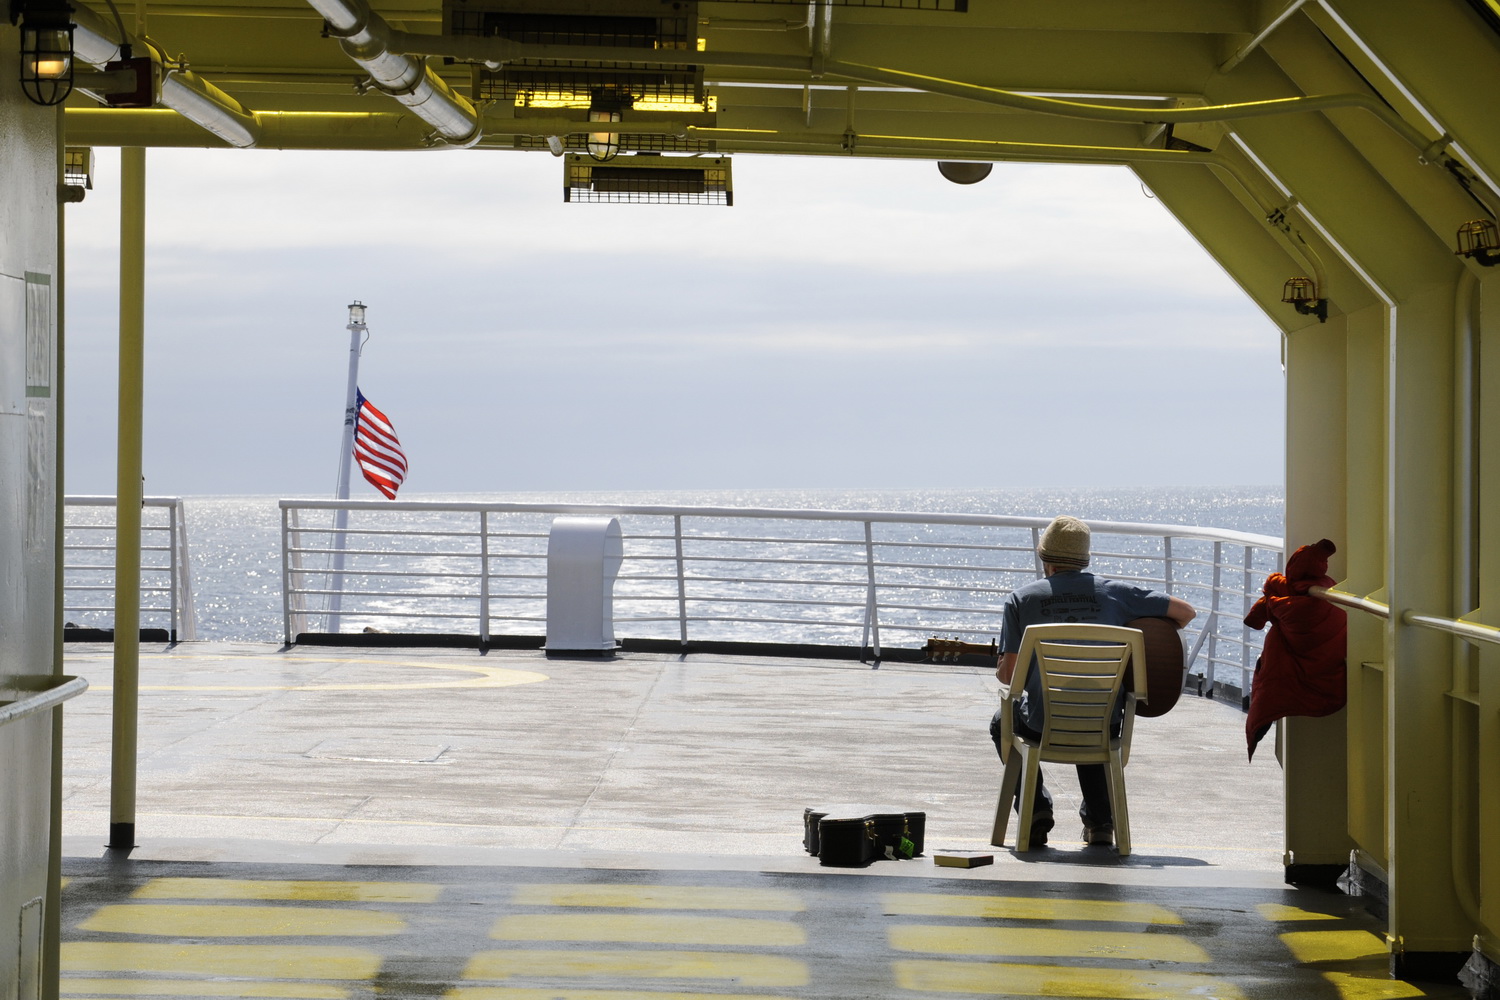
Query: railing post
{"points": [[682, 622], [288, 579], [484, 578], [1247, 669], [182, 558], [1211, 670], [172, 573], [1166, 548], [872, 606]]}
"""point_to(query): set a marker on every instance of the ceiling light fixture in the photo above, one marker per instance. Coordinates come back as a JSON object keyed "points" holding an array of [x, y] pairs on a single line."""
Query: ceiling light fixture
{"points": [[1302, 294], [46, 50], [1479, 241]]}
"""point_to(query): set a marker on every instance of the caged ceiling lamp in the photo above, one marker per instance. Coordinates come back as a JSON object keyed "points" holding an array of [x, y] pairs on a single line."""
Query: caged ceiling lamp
{"points": [[46, 50], [1302, 294], [1479, 242]]}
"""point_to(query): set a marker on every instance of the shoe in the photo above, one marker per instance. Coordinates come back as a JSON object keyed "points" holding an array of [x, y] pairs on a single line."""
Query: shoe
{"points": [[1099, 836], [1040, 827]]}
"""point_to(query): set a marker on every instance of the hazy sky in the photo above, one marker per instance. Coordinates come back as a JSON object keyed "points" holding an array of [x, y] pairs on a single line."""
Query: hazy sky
{"points": [[848, 323]]}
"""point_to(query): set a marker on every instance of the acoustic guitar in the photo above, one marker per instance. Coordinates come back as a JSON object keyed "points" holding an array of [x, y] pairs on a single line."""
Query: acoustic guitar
{"points": [[1166, 666]]}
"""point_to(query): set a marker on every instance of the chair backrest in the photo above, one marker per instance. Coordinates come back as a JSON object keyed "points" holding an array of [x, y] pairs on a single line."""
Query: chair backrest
{"points": [[1082, 671]]}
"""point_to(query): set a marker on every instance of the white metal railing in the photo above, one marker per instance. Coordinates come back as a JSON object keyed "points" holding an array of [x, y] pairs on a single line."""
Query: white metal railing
{"points": [[89, 566], [746, 574]]}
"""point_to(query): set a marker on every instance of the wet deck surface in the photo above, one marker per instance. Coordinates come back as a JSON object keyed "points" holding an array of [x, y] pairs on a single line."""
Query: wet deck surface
{"points": [[356, 823]]}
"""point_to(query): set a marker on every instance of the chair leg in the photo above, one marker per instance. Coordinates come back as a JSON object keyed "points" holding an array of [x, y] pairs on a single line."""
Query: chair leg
{"points": [[1119, 804], [1007, 797], [1030, 763]]}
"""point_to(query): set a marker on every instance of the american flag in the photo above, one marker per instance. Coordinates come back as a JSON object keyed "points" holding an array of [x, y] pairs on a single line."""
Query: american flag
{"points": [[377, 449]]}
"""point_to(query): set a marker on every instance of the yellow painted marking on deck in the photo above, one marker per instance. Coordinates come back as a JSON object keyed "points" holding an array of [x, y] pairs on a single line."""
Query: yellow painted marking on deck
{"points": [[485, 676], [1280, 912], [526, 993], [658, 897], [743, 970], [1334, 946], [336, 891], [997, 979], [652, 928], [240, 921], [202, 988], [922, 904], [254, 961], [1037, 942], [1375, 986]]}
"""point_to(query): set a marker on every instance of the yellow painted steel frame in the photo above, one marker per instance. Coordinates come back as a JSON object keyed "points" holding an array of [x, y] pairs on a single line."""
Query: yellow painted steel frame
{"points": [[1346, 138]]}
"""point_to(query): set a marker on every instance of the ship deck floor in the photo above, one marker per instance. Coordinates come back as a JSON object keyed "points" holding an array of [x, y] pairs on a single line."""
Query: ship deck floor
{"points": [[339, 822]]}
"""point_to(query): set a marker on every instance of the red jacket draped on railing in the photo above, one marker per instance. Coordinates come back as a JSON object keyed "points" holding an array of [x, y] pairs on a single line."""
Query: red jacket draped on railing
{"points": [[1301, 669]]}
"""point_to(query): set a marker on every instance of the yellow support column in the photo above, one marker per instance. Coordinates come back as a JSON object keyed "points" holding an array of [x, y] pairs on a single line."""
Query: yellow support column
{"points": [[128, 493], [1427, 927], [1313, 756], [1364, 575], [1485, 964]]}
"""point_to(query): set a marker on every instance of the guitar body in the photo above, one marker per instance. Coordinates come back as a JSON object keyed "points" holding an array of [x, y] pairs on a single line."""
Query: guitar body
{"points": [[1166, 667]]}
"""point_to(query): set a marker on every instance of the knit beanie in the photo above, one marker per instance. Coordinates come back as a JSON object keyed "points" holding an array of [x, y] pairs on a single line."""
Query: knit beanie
{"points": [[1065, 543]]}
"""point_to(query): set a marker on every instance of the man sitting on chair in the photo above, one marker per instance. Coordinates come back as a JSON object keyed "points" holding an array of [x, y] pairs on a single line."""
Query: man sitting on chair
{"points": [[1068, 594]]}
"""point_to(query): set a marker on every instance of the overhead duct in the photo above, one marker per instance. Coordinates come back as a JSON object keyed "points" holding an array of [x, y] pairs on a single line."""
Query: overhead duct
{"points": [[197, 100], [365, 38]]}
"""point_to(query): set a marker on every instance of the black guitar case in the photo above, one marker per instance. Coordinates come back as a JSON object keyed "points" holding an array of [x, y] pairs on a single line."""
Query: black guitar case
{"points": [[852, 836]]}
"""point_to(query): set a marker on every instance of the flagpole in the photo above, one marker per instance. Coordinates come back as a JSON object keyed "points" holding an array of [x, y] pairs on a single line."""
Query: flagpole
{"points": [[356, 330]]}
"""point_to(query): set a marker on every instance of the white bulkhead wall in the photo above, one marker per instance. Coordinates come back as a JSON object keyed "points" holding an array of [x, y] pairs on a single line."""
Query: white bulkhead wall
{"points": [[28, 491]]}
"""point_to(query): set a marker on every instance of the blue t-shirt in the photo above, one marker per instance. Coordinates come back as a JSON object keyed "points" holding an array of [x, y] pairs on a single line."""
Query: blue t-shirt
{"points": [[1066, 597]]}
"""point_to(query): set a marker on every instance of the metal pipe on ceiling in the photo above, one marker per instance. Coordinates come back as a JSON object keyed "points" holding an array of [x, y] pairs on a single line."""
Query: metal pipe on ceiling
{"points": [[365, 37], [496, 51], [94, 41]]}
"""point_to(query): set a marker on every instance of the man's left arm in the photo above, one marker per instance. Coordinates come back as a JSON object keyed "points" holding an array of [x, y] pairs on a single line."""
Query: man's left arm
{"points": [[1180, 611]]}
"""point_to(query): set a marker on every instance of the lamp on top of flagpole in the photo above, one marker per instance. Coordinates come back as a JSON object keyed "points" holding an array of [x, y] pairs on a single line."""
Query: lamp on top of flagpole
{"points": [[356, 328]]}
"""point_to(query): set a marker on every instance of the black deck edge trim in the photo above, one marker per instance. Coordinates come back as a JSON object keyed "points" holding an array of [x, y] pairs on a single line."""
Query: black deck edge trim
{"points": [[1428, 966], [628, 645], [108, 635], [404, 640], [1481, 976], [801, 650]]}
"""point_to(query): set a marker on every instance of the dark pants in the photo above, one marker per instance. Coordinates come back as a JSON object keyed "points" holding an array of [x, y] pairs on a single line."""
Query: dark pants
{"points": [[1093, 781]]}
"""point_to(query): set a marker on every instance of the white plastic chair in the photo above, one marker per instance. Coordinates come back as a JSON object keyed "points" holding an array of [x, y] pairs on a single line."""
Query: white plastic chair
{"points": [[1083, 669]]}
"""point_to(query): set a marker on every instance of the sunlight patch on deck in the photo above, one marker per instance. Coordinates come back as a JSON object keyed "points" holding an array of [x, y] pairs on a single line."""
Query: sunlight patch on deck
{"points": [[745, 970], [169, 920], [289, 889], [658, 897], [1376, 986], [200, 988], [998, 979], [649, 929], [484, 676], [924, 904], [1035, 942], [282, 961], [529, 993], [1334, 946]]}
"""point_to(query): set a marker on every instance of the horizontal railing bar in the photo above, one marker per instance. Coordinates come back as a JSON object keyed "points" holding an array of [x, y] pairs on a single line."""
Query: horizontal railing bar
{"points": [[1453, 626], [792, 514], [365, 613], [436, 595], [1339, 597], [388, 553], [434, 574], [939, 607]]}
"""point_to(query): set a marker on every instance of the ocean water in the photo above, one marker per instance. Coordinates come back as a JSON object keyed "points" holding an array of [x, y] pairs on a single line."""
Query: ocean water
{"points": [[234, 542]]}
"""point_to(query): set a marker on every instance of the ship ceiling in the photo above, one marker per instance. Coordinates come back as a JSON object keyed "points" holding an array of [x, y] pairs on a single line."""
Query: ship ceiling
{"points": [[1339, 140]]}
